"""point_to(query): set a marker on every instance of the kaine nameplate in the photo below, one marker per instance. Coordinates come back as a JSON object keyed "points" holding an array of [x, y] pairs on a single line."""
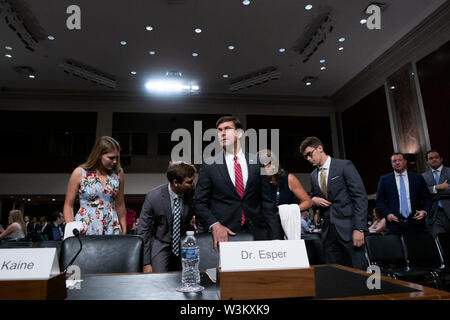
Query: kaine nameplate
{"points": [[263, 255], [21, 264]]}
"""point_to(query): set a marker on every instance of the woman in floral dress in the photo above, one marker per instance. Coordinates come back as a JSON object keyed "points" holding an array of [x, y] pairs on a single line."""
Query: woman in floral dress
{"points": [[99, 183]]}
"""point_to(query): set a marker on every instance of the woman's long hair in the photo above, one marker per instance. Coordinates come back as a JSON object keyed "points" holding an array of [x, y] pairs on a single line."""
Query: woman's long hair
{"points": [[17, 216], [102, 146], [266, 156]]}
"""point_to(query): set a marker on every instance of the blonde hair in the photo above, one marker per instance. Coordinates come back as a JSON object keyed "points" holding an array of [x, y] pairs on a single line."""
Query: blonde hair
{"points": [[17, 216], [102, 146]]}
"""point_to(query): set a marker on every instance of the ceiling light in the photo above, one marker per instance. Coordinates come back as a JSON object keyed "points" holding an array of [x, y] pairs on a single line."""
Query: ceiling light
{"points": [[230, 47], [323, 68], [195, 54], [322, 61], [8, 55], [225, 76], [363, 21], [308, 7], [152, 52], [31, 76], [133, 72], [392, 87], [123, 43], [341, 39], [341, 48], [53, 199], [198, 30], [246, 2], [51, 38], [8, 48], [149, 28], [308, 83], [282, 49], [309, 80]]}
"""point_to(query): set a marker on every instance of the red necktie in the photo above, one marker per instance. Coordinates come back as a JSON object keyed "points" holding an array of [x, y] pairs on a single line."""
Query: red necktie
{"points": [[239, 183]]}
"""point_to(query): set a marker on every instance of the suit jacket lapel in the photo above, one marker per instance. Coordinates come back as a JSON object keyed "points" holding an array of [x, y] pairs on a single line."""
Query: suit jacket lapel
{"points": [[394, 184], [252, 166], [443, 175], [331, 172], [167, 206], [314, 183], [223, 169]]}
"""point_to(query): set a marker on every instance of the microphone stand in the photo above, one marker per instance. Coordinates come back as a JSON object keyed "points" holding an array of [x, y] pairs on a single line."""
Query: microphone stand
{"points": [[76, 233]]}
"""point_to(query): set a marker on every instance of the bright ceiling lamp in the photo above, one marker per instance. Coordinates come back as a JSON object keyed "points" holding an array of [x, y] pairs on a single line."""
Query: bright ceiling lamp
{"points": [[172, 83]]}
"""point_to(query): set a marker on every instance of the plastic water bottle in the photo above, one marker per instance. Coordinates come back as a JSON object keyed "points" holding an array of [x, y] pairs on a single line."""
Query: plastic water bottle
{"points": [[190, 258]]}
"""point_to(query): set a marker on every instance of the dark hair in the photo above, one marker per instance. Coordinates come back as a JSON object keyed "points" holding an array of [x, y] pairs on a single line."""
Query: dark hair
{"points": [[430, 151], [55, 215], [236, 122], [378, 213], [398, 153], [310, 142], [179, 170]]}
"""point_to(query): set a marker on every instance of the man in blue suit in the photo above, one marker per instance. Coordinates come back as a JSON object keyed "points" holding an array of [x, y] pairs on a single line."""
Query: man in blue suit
{"points": [[403, 198]]}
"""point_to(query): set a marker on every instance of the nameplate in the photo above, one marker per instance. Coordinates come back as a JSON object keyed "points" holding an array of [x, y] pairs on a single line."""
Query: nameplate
{"points": [[263, 255], [21, 264]]}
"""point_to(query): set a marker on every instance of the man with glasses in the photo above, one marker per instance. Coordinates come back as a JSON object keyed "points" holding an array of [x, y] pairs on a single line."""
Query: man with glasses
{"points": [[339, 193]]}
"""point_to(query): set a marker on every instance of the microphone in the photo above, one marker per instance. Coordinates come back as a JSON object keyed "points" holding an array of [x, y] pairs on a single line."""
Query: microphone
{"points": [[76, 233]]}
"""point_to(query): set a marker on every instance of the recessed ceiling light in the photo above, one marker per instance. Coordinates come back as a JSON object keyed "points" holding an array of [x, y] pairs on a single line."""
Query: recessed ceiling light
{"points": [[308, 83], [8, 55], [53, 199], [8, 48], [342, 39], [323, 68], [31, 76], [246, 2], [133, 72], [230, 47], [198, 30], [151, 52], [149, 28], [225, 76], [195, 54], [341, 48], [322, 61], [123, 43], [308, 7], [282, 49], [392, 87], [363, 21], [51, 38]]}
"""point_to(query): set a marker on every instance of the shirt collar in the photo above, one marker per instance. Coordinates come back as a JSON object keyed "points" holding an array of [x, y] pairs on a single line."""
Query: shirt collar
{"points": [[438, 169], [326, 165], [240, 156], [404, 173], [172, 194]]}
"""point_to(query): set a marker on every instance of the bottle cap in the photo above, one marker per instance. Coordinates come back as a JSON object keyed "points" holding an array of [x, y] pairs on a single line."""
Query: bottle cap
{"points": [[189, 233]]}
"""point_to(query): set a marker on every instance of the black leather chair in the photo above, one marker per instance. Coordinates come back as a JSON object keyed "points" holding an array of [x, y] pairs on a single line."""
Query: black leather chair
{"points": [[209, 257], [443, 240], [389, 253], [104, 254], [314, 248]]}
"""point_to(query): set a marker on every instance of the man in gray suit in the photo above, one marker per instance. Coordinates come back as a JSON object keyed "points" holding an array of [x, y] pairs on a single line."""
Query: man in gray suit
{"points": [[438, 221], [339, 193], [165, 217]]}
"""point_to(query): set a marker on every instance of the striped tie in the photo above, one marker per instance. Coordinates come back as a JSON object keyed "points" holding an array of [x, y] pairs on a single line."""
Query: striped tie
{"points": [[176, 226], [239, 183]]}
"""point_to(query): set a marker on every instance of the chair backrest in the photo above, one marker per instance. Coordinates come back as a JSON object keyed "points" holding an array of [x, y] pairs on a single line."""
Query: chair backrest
{"points": [[385, 250], [443, 240], [314, 248], [209, 257], [422, 250], [104, 254]]}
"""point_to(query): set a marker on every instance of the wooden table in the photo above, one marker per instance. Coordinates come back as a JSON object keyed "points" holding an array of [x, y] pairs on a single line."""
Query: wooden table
{"points": [[332, 282]]}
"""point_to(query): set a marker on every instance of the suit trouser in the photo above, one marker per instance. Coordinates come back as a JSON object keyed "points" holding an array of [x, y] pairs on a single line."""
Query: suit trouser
{"points": [[338, 251], [441, 223], [166, 261]]}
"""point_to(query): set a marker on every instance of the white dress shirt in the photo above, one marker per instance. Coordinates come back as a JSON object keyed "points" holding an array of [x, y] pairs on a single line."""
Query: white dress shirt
{"points": [[229, 159], [397, 182], [173, 196]]}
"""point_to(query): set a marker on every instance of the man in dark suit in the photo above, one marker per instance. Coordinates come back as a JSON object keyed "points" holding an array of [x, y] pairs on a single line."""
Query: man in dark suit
{"points": [[403, 198], [165, 217], [339, 193], [438, 220], [231, 194]]}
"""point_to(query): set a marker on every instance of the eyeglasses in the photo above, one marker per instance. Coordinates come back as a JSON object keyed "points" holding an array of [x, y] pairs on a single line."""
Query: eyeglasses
{"points": [[309, 154]]}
